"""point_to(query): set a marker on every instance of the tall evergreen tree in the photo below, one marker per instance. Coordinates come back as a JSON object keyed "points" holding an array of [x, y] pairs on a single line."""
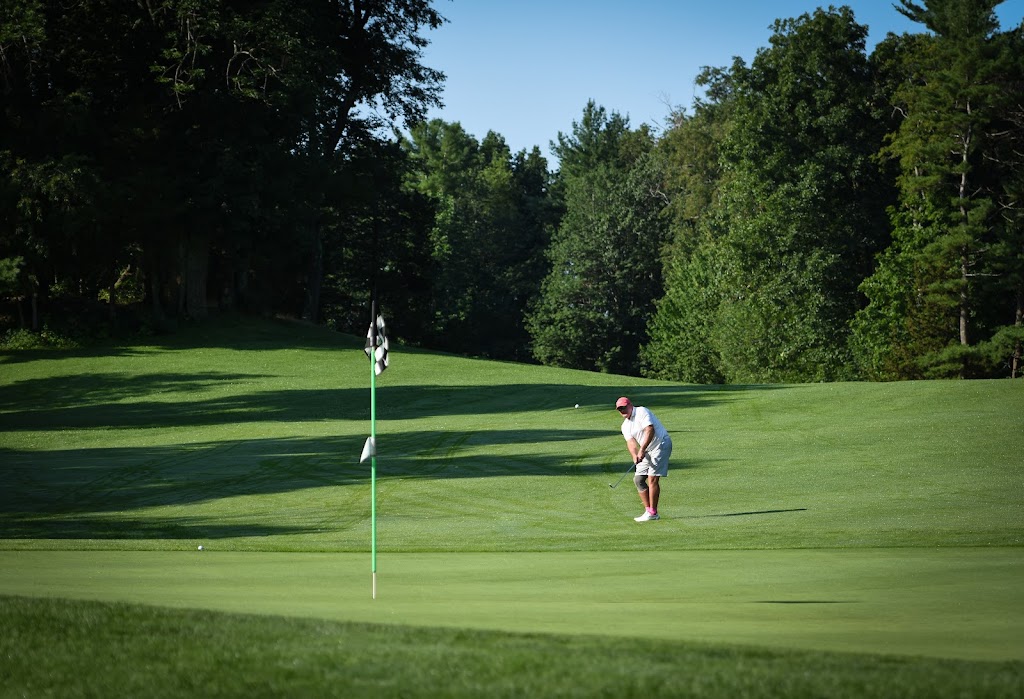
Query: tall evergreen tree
{"points": [[1006, 346], [934, 297]]}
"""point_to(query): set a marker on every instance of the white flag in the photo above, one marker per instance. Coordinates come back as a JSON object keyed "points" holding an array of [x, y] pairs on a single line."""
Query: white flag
{"points": [[369, 449], [380, 352]]}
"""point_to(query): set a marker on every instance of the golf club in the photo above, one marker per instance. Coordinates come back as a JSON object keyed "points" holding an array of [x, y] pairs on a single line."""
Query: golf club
{"points": [[631, 467]]}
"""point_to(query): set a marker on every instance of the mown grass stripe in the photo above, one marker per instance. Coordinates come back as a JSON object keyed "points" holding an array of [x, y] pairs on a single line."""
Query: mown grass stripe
{"points": [[104, 649], [879, 518]]}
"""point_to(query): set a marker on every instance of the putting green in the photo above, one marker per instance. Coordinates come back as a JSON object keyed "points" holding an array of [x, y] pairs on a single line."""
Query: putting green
{"points": [[952, 602]]}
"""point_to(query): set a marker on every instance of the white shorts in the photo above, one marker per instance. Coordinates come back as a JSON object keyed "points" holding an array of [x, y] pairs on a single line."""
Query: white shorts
{"points": [[655, 463]]}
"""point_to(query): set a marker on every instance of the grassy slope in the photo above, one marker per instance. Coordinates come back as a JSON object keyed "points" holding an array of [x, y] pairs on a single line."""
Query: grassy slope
{"points": [[255, 445], [245, 438]]}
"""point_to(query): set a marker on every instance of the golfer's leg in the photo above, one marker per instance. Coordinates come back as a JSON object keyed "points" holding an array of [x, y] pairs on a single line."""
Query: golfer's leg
{"points": [[653, 491], [640, 482]]}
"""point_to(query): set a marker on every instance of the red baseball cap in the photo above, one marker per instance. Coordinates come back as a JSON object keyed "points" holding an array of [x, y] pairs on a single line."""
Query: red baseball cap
{"points": [[622, 403]]}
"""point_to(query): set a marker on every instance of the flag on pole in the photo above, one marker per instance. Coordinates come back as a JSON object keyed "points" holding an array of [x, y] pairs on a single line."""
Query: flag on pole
{"points": [[377, 345], [377, 351], [369, 449]]}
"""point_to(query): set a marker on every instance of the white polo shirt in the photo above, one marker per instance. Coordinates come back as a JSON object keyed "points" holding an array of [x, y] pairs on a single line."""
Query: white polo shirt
{"points": [[633, 427]]}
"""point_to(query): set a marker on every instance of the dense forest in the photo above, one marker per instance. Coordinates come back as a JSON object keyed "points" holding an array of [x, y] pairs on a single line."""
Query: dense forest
{"points": [[821, 214]]}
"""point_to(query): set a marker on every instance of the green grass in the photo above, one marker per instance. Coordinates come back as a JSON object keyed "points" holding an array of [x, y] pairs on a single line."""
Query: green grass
{"points": [[962, 603], [98, 649], [859, 519]]}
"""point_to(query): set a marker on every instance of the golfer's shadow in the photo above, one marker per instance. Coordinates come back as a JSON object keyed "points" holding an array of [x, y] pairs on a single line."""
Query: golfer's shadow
{"points": [[743, 514]]}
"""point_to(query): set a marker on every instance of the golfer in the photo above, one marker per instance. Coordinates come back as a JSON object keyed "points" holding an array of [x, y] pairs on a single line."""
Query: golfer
{"points": [[650, 446]]}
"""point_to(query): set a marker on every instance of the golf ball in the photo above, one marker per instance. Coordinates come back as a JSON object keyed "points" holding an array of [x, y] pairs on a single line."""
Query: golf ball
{"points": [[577, 405], [200, 547]]}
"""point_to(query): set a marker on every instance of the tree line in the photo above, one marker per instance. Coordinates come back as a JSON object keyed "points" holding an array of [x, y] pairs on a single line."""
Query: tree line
{"points": [[821, 214]]}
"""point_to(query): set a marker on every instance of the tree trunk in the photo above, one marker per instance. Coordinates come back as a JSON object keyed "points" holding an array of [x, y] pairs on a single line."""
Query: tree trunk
{"points": [[154, 288], [197, 264], [1016, 368], [965, 259], [111, 306], [316, 277], [240, 280], [965, 309]]}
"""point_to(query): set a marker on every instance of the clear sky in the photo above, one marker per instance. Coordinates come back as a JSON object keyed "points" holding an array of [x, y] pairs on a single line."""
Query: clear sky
{"points": [[526, 68]]}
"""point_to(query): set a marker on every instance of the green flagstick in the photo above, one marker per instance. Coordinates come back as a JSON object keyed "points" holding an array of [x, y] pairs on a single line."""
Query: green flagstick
{"points": [[375, 340], [373, 477], [373, 454]]}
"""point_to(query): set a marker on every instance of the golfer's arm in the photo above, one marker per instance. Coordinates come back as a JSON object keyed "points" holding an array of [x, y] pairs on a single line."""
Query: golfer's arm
{"points": [[634, 449], [647, 437]]}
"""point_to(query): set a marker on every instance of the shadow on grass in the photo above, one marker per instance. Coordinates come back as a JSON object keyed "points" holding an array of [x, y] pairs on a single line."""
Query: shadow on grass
{"points": [[758, 512], [223, 331], [72, 482], [107, 400], [805, 601], [47, 489], [94, 527], [737, 514], [80, 493]]}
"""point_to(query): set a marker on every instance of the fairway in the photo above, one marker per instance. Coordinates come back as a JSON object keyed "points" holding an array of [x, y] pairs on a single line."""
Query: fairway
{"points": [[954, 603], [880, 519]]}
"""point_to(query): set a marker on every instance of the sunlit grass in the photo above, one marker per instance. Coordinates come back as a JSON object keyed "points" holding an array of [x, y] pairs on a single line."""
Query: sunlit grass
{"points": [[245, 435]]}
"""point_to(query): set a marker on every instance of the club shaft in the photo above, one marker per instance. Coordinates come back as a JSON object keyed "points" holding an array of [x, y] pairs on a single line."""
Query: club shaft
{"points": [[624, 475]]}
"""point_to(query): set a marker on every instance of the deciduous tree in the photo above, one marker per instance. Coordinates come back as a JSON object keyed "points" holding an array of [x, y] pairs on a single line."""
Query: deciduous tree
{"points": [[606, 255]]}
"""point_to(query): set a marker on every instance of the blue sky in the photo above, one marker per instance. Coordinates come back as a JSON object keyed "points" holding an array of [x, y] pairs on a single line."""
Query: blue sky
{"points": [[526, 68]]}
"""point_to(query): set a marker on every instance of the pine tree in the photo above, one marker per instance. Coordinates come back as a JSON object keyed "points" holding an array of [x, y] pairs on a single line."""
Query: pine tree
{"points": [[931, 297]]}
